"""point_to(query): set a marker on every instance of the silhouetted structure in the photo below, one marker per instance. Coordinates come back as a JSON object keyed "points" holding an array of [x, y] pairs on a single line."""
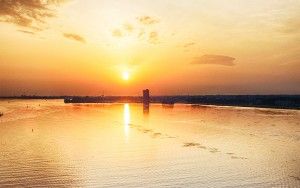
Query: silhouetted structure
{"points": [[146, 97], [146, 101]]}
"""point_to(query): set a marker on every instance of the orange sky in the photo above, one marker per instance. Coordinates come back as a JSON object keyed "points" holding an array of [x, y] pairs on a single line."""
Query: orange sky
{"points": [[78, 47]]}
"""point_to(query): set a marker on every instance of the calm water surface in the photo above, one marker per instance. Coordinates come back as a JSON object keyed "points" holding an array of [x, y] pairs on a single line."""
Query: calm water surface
{"points": [[49, 143]]}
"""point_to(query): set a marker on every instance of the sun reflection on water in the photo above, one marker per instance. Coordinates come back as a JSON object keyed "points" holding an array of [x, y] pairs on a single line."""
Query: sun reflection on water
{"points": [[126, 119]]}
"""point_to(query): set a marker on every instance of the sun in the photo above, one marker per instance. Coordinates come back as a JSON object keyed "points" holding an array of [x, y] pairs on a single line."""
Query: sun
{"points": [[125, 75]]}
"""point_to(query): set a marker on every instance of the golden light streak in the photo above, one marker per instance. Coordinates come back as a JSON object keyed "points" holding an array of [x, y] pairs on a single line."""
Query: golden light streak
{"points": [[126, 120]]}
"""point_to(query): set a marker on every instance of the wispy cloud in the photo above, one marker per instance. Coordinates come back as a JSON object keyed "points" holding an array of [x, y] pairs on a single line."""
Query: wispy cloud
{"points": [[75, 37], [117, 33], [27, 13], [153, 37], [147, 20], [128, 27], [125, 30], [215, 59], [187, 45], [27, 32], [140, 32]]}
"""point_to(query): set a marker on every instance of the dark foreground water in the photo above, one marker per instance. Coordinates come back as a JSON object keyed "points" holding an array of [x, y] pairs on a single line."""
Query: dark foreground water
{"points": [[52, 144]]}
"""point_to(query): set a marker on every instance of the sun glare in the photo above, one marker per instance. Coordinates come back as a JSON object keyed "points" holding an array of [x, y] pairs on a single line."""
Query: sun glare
{"points": [[125, 75]]}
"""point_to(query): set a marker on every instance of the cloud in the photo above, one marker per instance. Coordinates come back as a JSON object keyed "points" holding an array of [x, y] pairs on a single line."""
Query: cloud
{"points": [[147, 20], [128, 27], [215, 59], [141, 33], [187, 45], [117, 33], [74, 37], [27, 13], [153, 37], [27, 32]]}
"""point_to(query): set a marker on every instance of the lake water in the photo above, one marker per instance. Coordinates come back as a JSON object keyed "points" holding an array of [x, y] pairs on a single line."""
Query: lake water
{"points": [[49, 143]]}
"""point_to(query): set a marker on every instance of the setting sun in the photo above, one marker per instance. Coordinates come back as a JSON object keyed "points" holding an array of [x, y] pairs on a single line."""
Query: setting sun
{"points": [[125, 75]]}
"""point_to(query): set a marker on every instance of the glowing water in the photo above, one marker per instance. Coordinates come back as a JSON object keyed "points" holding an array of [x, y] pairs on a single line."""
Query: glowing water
{"points": [[49, 143]]}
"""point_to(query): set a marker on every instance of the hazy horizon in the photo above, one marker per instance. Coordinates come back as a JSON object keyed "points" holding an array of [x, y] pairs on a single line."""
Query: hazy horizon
{"points": [[140, 95], [196, 47]]}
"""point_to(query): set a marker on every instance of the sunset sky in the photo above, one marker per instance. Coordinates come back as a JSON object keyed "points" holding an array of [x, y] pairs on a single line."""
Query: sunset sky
{"points": [[97, 47]]}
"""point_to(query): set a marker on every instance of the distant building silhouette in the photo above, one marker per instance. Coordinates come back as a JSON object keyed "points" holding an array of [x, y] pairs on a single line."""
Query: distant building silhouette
{"points": [[146, 101], [146, 97]]}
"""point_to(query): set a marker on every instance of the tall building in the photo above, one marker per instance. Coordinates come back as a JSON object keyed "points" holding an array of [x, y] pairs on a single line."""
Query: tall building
{"points": [[146, 97]]}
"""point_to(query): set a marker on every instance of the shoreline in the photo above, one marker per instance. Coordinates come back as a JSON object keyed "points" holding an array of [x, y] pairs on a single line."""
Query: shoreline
{"points": [[259, 101]]}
